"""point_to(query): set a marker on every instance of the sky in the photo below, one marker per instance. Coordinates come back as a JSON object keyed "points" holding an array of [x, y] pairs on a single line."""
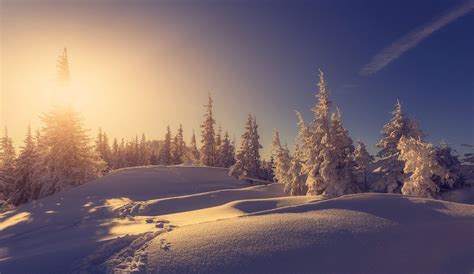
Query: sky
{"points": [[137, 66]]}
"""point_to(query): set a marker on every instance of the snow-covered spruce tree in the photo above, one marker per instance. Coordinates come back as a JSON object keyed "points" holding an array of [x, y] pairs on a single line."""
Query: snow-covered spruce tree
{"points": [[25, 170], [282, 158], [165, 152], [446, 159], [7, 169], [267, 169], [66, 157], [103, 149], [297, 180], [193, 150], [144, 151], [226, 152], [338, 164], [219, 155], [208, 149], [420, 162], [115, 154], [391, 166], [248, 158], [179, 147], [316, 145], [362, 161]]}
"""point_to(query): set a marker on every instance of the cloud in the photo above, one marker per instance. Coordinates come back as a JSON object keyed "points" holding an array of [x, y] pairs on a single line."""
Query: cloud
{"points": [[413, 38]]}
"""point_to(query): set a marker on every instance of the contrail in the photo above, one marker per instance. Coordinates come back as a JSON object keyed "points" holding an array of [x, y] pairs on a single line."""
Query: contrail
{"points": [[413, 38]]}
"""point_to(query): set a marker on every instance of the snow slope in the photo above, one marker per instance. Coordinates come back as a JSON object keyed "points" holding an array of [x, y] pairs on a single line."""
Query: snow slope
{"points": [[74, 223], [364, 233], [196, 219]]}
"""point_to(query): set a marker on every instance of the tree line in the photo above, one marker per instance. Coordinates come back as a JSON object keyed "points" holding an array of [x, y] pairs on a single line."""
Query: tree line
{"points": [[324, 160]]}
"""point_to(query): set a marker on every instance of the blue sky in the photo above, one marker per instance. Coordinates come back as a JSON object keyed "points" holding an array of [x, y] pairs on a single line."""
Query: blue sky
{"points": [[263, 57]]}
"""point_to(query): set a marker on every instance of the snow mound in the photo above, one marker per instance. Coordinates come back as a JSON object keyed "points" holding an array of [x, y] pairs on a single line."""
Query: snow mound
{"points": [[354, 233], [51, 234]]}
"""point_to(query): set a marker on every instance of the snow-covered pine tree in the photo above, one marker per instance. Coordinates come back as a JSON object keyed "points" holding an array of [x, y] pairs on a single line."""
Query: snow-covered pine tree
{"points": [[316, 145], [165, 152], [144, 155], [420, 162], [248, 158], [25, 170], [297, 180], [115, 154], [103, 149], [338, 164], [282, 158], [218, 159], [179, 147], [193, 150], [7, 169], [208, 149], [450, 162], [226, 152], [66, 157], [391, 167], [362, 161]]}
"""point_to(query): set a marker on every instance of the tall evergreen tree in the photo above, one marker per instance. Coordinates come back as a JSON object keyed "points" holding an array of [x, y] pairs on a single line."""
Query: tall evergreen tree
{"points": [[103, 149], [338, 165], [282, 158], [25, 170], [165, 152], [218, 154], [208, 149], [391, 166], [248, 158], [179, 147], [316, 144], [67, 159], [144, 152], [7, 168], [115, 157], [193, 150]]}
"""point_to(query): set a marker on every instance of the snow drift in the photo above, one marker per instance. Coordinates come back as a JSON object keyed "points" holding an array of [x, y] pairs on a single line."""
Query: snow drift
{"points": [[197, 219], [356, 233]]}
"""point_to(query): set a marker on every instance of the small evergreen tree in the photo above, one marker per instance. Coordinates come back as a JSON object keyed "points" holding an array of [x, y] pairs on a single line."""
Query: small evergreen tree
{"points": [[450, 162], [25, 170], [282, 160], [7, 169], [226, 152], [420, 162], [297, 179]]}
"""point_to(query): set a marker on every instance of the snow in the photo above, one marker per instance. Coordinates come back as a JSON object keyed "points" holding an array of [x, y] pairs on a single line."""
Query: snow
{"points": [[355, 233], [199, 219]]}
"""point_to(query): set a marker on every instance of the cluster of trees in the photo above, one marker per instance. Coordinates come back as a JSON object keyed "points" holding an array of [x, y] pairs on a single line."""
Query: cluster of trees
{"points": [[62, 155], [326, 162]]}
